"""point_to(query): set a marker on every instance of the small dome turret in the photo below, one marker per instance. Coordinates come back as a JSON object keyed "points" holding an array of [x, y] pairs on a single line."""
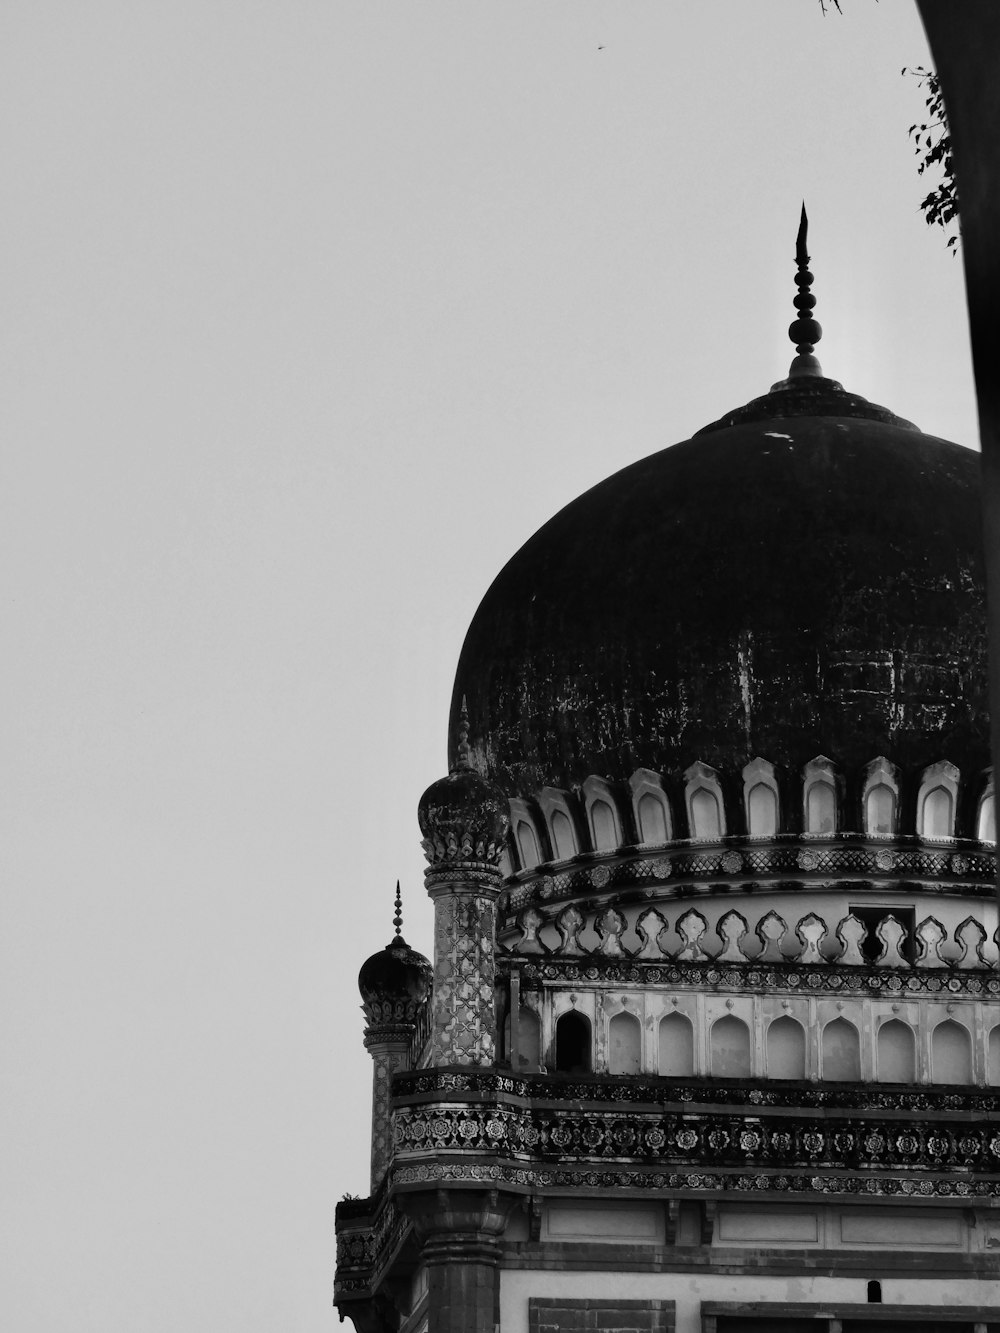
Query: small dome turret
{"points": [[394, 984], [396, 973], [464, 816]]}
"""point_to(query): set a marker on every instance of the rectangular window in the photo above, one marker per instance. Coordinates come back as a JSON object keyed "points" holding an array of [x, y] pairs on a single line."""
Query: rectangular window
{"points": [[566, 1315]]}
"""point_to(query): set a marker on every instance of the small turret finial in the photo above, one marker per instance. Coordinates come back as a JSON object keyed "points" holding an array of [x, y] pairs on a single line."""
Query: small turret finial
{"points": [[804, 331], [397, 919], [463, 755]]}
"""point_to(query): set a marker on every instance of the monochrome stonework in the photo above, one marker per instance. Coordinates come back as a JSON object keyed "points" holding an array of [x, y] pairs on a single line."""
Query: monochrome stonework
{"points": [[711, 1038]]}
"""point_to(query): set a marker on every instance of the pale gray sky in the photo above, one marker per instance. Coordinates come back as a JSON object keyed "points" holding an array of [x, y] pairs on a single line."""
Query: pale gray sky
{"points": [[312, 313]]}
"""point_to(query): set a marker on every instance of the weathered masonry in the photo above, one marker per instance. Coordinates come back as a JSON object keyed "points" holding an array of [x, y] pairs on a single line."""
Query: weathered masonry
{"points": [[710, 1042]]}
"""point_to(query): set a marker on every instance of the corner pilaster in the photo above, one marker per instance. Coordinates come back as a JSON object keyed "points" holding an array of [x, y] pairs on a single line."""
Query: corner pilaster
{"points": [[460, 1234], [463, 1007]]}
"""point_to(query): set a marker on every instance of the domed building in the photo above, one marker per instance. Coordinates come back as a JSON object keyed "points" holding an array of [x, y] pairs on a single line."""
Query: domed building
{"points": [[713, 1038]]}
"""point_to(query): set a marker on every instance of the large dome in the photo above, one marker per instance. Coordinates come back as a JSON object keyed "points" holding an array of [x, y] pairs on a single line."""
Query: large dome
{"points": [[803, 577]]}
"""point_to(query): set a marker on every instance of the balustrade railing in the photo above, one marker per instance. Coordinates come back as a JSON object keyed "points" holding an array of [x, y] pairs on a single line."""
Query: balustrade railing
{"points": [[888, 943]]}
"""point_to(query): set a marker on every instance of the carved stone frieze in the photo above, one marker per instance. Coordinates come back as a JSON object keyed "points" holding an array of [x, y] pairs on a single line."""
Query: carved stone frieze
{"points": [[825, 978], [682, 1093], [391, 1019], [786, 861], [453, 847], [589, 1177], [842, 1141]]}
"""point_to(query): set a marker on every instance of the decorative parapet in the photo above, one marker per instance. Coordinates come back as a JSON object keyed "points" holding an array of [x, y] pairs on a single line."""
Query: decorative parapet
{"points": [[786, 864], [537, 1133], [771, 941]]}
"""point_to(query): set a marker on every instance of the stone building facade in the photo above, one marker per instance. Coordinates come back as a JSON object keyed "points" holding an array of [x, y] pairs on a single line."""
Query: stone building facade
{"points": [[711, 1037]]}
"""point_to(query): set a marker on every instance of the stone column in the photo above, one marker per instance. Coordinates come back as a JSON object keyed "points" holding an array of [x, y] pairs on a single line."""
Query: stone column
{"points": [[388, 1047], [463, 1006], [464, 819], [460, 1235]]}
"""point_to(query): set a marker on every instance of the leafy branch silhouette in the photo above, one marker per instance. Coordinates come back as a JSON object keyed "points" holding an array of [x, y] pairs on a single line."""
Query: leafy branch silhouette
{"points": [[932, 145]]}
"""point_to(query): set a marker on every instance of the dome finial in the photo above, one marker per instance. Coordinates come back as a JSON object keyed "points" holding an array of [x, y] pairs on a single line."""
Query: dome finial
{"points": [[804, 331], [397, 919], [463, 754]]}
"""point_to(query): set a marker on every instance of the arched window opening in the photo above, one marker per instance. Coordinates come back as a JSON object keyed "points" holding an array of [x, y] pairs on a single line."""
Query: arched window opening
{"points": [[786, 1049], [677, 1046], [527, 845], [874, 1292], [705, 816], [986, 824], [652, 820], [841, 1052], [895, 1060], [951, 1053], [762, 811], [937, 814], [880, 808], [624, 1045], [993, 1060], [821, 808], [730, 1047], [562, 836], [573, 1044], [602, 821]]}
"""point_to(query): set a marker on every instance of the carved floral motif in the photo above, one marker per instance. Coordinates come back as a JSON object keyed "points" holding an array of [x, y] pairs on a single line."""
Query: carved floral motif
{"points": [[463, 1022], [702, 1138]]}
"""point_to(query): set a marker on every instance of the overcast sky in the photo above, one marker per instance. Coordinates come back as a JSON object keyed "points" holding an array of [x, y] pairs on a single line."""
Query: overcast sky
{"points": [[312, 312]]}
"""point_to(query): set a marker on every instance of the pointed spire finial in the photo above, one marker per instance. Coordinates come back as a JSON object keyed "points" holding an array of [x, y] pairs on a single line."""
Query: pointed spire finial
{"points": [[463, 753], [397, 919], [804, 331]]}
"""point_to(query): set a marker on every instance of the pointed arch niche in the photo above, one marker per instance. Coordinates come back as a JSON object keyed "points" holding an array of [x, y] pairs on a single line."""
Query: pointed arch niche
{"points": [[729, 1043], [528, 841], [986, 812], [880, 799], [895, 1053], [703, 798], [555, 806], [819, 797], [760, 798], [841, 1052], [603, 820], [624, 1044], [937, 801], [650, 808], [951, 1053], [676, 1046], [786, 1049]]}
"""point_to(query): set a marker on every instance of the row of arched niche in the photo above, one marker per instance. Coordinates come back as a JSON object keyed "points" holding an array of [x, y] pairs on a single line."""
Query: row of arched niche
{"points": [[559, 825], [898, 1057]]}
